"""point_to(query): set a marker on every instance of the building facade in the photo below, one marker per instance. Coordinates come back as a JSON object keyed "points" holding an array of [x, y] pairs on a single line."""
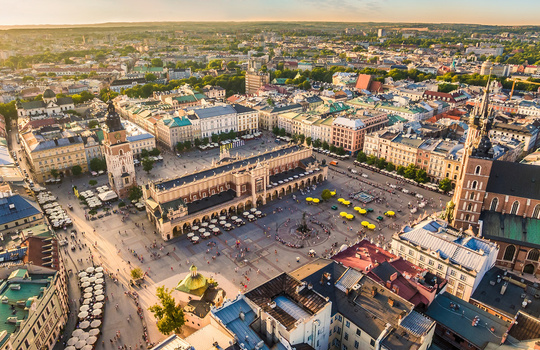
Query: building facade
{"points": [[254, 80], [170, 131]]}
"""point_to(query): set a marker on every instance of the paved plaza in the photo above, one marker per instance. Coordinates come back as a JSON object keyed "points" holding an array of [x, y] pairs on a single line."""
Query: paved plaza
{"points": [[239, 259]]}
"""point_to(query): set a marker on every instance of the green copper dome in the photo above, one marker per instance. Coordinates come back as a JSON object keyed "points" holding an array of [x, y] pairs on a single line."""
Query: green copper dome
{"points": [[49, 94], [194, 283]]}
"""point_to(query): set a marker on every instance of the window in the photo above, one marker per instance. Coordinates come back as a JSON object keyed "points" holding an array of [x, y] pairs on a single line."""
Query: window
{"points": [[356, 344], [478, 170], [536, 212], [358, 332], [402, 249], [471, 197], [339, 330], [463, 278], [494, 204], [347, 324], [372, 342], [346, 336], [533, 254], [509, 253], [469, 207], [431, 262], [467, 217], [474, 184], [440, 267], [515, 208], [453, 273], [422, 258]]}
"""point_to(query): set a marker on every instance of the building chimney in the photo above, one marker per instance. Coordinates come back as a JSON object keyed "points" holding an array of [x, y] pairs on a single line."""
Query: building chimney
{"points": [[393, 276], [373, 291], [505, 335], [503, 287], [391, 303], [242, 315]]}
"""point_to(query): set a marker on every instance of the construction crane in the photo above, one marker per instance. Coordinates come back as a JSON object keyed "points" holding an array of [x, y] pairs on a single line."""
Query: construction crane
{"points": [[516, 80]]}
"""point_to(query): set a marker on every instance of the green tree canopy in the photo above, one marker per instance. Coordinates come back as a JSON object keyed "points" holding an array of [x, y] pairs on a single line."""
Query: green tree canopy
{"points": [[97, 164], [156, 62], [93, 123], [445, 185], [54, 173], [76, 170], [361, 157], [92, 182], [136, 273], [150, 77], [148, 164], [135, 193], [154, 152], [326, 194], [169, 315]]}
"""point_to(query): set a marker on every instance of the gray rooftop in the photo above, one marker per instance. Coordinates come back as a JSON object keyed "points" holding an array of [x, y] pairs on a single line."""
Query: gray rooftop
{"points": [[215, 111]]}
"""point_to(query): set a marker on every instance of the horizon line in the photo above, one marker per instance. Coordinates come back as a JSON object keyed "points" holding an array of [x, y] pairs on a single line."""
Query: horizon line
{"points": [[23, 26]]}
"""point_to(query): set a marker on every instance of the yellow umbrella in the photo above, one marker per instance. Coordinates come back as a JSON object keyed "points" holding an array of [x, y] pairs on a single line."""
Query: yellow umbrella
{"points": [[357, 208], [362, 211], [350, 216], [309, 199], [371, 226], [333, 193], [390, 213], [316, 200], [341, 200], [344, 214], [346, 203], [365, 223]]}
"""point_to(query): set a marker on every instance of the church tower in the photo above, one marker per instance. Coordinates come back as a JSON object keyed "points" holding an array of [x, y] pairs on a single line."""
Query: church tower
{"points": [[475, 167], [118, 155]]}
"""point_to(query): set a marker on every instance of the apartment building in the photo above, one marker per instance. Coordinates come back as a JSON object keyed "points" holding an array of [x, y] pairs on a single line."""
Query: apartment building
{"points": [[52, 148], [247, 119], [140, 142], [170, 131], [254, 80], [17, 212], [216, 119], [526, 134], [458, 257], [268, 117], [348, 133]]}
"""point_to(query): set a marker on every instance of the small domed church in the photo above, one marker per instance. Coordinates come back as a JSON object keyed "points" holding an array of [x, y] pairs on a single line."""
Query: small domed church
{"points": [[48, 106]]}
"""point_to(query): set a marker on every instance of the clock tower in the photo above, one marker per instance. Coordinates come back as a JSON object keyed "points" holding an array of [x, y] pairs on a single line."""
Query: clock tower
{"points": [[118, 155]]}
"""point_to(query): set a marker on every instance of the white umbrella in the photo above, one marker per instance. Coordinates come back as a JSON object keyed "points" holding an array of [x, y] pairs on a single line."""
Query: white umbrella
{"points": [[97, 312], [77, 332], [84, 336], [191, 234], [99, 275], [88, 290], [87, 295], [70, 348], [195, 228], [92, 279], [98, 305], [80, 344], [98, 286], [222, 223], [72, 341], [201, 230], [84, 324], [91, 340], [84, 308], [93, 331], [222, 218], [195, 239], [215, 229], [96, 323], [82, 274], [83, 314], [211, 226], [100, 297], [84, 279], [87, 301], [88, 347], [90, 269], [206, 234], [100, 281], [234, 218], [258, 212], [246, 213], [213, 221], [85, 284], [98, 292], [251, 217], [99, 269], [253, 210], [204, 224]]}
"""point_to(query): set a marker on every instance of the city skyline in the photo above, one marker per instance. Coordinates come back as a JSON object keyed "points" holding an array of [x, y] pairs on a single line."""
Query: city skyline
{"points": [[57, 12]]}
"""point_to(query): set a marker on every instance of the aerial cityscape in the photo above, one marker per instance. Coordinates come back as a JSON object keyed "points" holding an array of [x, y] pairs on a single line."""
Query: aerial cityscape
{"points": [[286, 175]]}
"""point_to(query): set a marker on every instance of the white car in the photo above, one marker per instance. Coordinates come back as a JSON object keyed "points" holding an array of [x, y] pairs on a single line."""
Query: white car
{"points": [[365, 175], [354, 171], [405, 190], [419, 196]]}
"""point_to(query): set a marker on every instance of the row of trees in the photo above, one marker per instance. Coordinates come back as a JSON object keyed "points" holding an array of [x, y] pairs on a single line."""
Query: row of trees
{"points": [[411, 171]]}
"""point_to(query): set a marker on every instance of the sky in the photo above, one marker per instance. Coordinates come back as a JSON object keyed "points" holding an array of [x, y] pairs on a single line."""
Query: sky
{"points": [[498, 12]]}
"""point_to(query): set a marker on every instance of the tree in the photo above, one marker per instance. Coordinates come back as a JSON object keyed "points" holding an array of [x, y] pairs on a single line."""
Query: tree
{"points": [[400, 170], [371, 160], [317, 143], [156, 62], [306, 85], [187, 144], [136, 274], [92, 182], [215, 138], [301, 138], [148, 164], [410, 171], [308, 141], [54, 173], [282, 132], [275, 130], [390, 166], [326, 195], [421, 176], [381, 163], [170, 316], [341, 151], [180, 146], [92, 124], [150, 77], [76, 170], [325, 146], [97, 164], [361, 157], [144, 153], [121, 204], [197, 142], [135, 193], [445, 185], [333, 148], [154, 152]]}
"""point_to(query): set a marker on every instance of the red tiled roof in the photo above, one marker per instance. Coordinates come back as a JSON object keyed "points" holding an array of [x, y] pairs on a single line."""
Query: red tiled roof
{"points": [[363, 81], [368, 254]]}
